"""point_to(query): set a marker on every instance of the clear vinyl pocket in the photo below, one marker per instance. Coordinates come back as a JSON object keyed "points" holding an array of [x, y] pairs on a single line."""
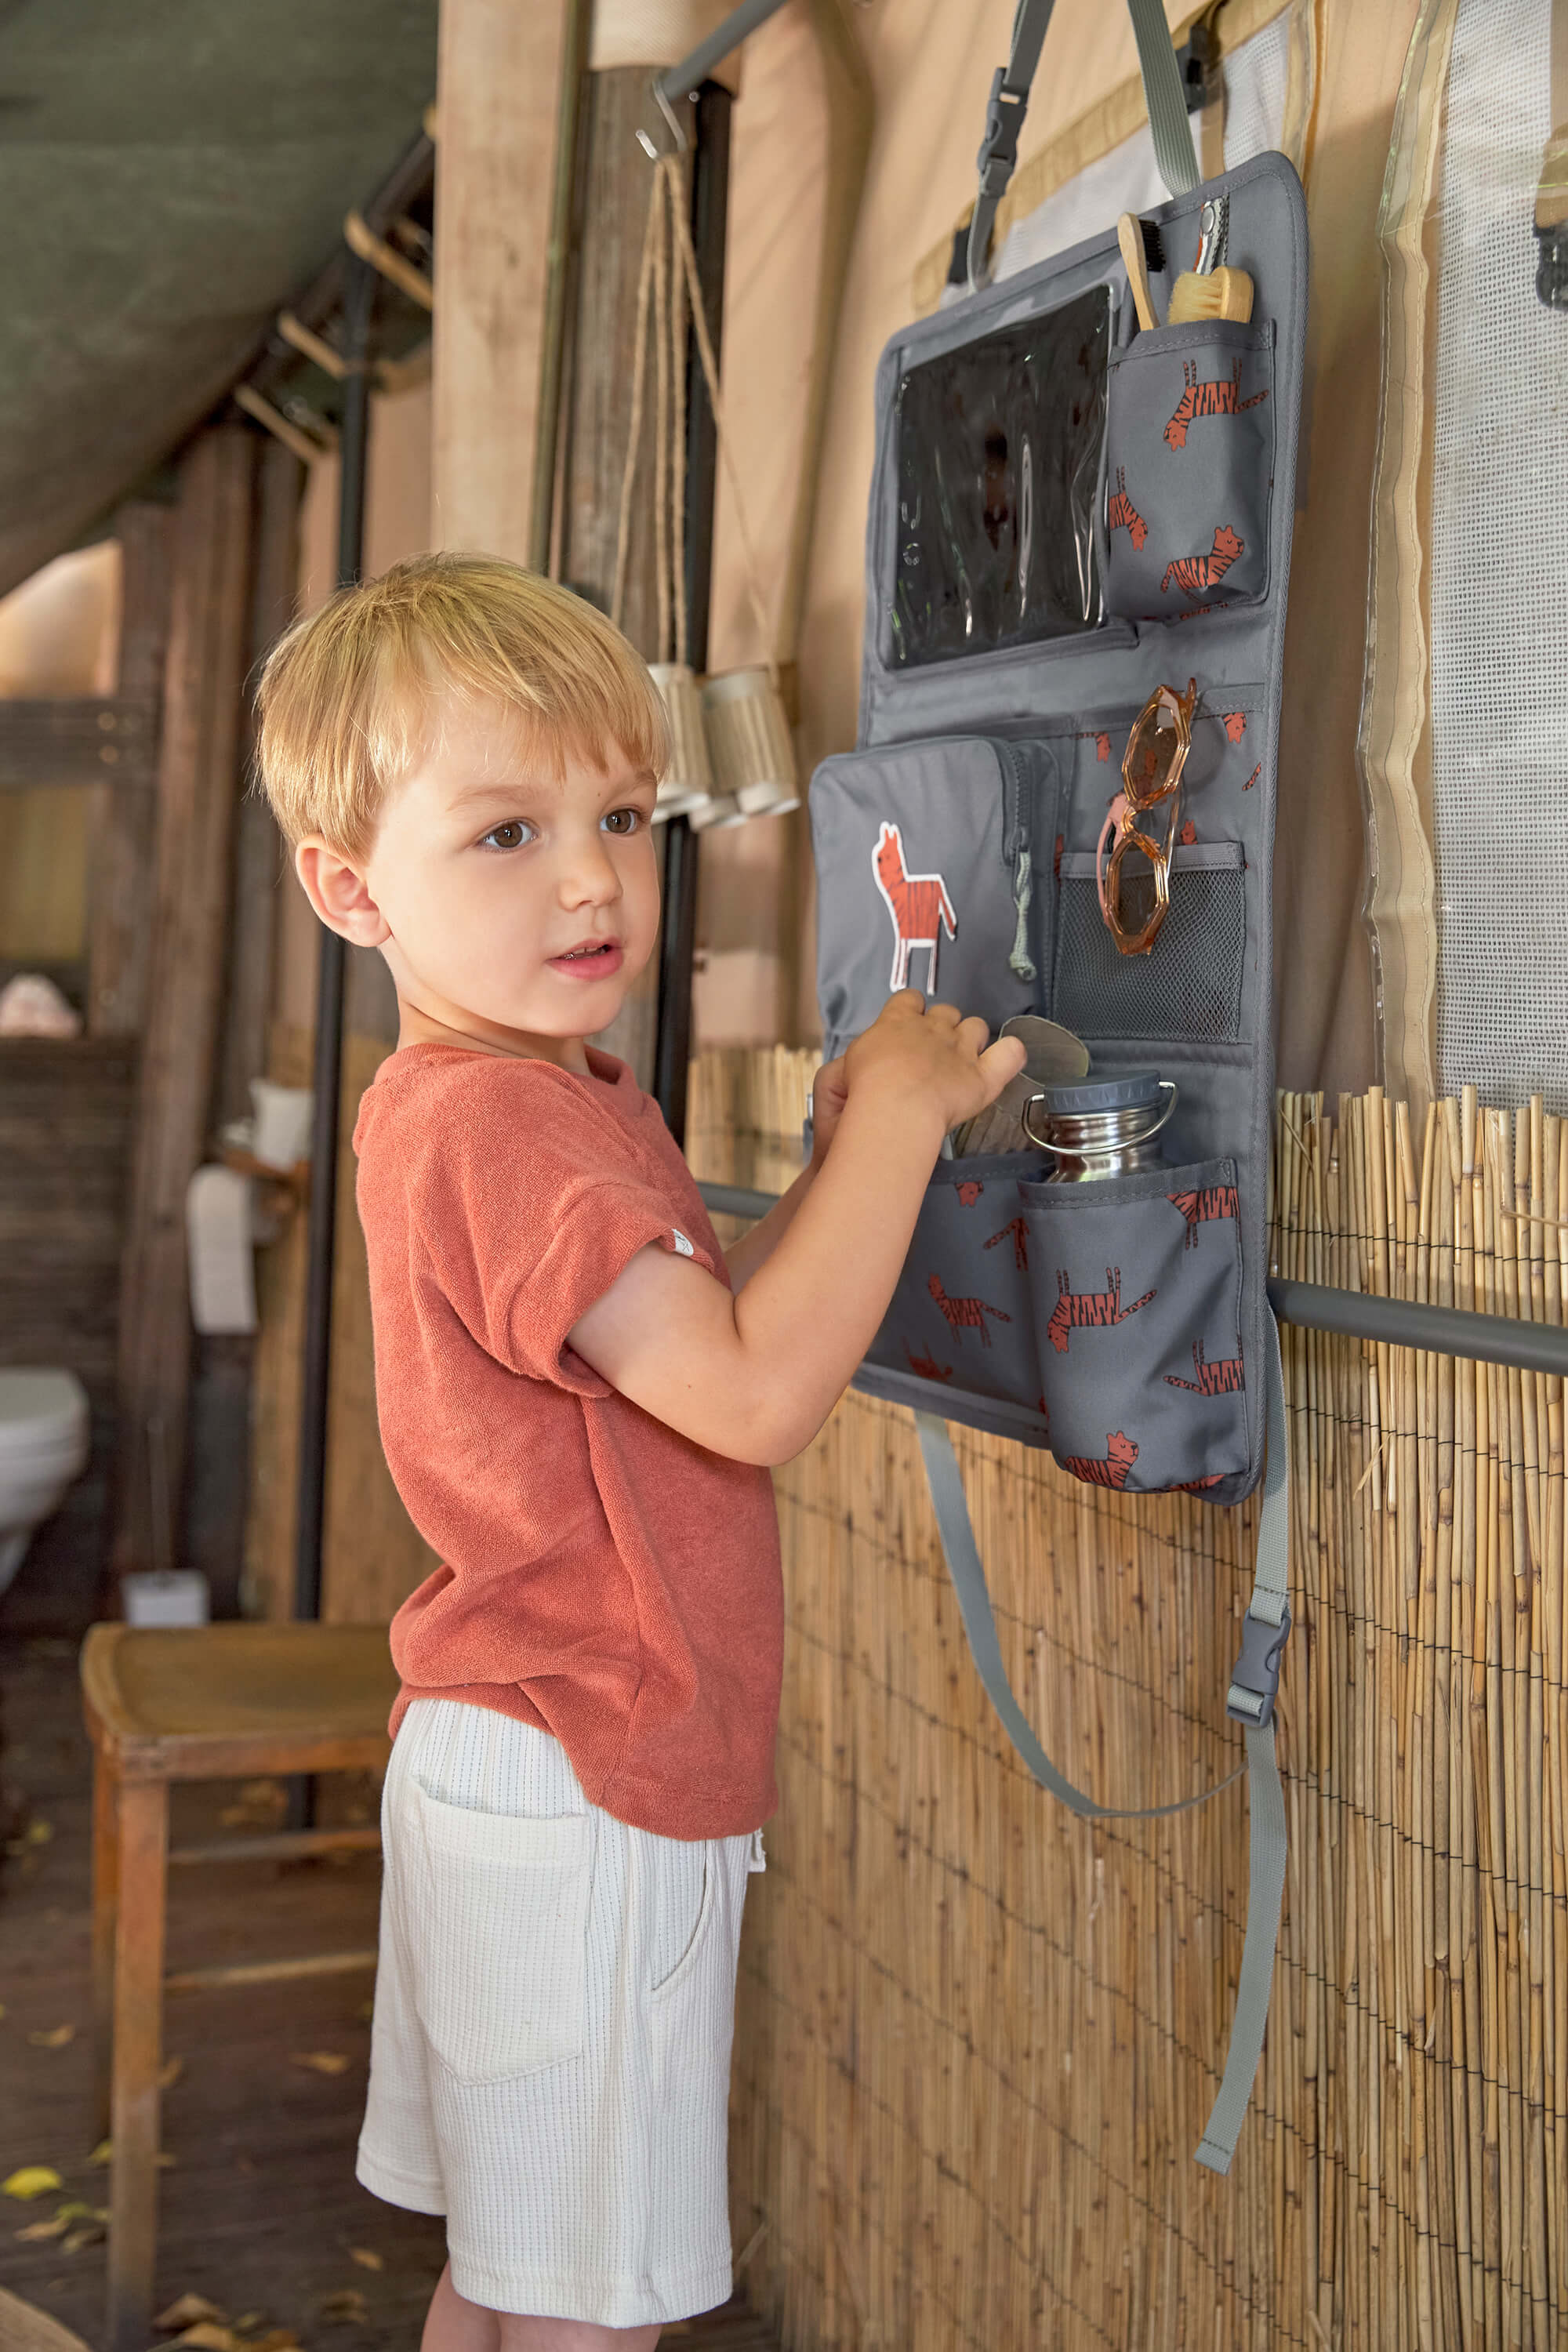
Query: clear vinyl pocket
{"points": [[1136, 1284], [961, 1316], [933, 863], [502, 1931], [1189, 983], [1189, 470]]}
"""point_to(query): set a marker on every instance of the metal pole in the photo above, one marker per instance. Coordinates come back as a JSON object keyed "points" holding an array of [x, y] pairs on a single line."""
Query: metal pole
{"points": [[710, 207], [359, 302], [694, 71], [563, 202]]}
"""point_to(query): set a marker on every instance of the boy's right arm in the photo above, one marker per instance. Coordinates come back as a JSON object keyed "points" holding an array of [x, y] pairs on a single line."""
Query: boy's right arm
{"points": [[755, 1376]]}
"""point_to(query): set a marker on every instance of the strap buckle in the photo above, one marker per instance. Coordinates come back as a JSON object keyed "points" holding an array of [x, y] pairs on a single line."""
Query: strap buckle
{"points": [[1551, 266], [1255, 1677], [998, 153]]}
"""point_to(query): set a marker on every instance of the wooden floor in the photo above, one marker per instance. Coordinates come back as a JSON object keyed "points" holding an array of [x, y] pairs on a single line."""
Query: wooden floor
{"points": [[260, 2211]]}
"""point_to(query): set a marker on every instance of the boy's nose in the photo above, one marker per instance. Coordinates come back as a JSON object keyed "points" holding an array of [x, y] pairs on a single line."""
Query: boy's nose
{"points": [[587, 875]]}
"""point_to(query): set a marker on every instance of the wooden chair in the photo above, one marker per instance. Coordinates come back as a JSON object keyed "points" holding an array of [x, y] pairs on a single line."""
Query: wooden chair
{"points": [[214, 1702]]}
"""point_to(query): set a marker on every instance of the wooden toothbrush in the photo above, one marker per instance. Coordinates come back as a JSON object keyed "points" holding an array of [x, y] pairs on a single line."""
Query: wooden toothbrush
{"points": [[1210, 291]]}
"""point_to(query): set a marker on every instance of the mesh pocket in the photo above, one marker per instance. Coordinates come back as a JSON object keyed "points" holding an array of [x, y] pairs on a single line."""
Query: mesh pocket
{"points": [[1188, 985]]}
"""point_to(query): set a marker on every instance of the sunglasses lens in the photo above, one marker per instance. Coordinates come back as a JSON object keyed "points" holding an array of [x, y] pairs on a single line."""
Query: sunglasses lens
{"points": [[1152, 754], [1135, 888]]}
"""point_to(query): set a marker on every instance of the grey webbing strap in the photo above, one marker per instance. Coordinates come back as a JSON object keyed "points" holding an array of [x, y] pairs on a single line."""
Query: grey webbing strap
{"points": [[1009, 102], [1249, 1701]]}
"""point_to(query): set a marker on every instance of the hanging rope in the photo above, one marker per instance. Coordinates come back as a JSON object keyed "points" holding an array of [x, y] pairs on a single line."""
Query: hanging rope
{"points": [[667, 281]]}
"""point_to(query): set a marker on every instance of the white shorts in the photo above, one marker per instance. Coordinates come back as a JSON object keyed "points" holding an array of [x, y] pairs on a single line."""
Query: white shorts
{"points": [[554, 2008]]}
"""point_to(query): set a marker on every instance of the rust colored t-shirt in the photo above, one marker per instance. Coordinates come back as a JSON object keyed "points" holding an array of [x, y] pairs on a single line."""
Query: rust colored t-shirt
{"points": [[603, 1577]]}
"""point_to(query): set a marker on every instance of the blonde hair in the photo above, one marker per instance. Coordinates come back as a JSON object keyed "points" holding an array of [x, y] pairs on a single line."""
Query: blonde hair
{"points": [[348, 699]]}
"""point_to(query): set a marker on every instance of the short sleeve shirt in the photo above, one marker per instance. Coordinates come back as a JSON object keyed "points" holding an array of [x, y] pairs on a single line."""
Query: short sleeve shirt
{"points": [[601, 1575]]}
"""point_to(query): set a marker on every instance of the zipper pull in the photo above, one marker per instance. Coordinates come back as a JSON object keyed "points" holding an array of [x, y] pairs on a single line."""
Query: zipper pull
{"points": [[1020, 963]]}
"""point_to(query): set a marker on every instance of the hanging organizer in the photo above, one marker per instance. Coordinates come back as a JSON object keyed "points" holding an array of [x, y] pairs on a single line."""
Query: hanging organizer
{"points": [[1067, 513]]}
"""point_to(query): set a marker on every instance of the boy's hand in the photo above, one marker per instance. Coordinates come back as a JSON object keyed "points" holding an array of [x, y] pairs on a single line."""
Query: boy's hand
{"points": [[830, 1092], [928, 1063]]}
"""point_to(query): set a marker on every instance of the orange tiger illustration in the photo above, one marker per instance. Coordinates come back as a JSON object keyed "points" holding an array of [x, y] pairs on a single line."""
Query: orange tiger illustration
{"points": [[1123, 515], [1019, 1232], [1219, 398], [1188, 834], [1120, 1454], [1194, 574], [965, 1314], [927, 1366], [1102, 748], [1088, 1310], [918, 904], [1200, 1486], [1202, 1207], [1235, 724], [1253, 778], [1223, 1377], [969, 1191]]}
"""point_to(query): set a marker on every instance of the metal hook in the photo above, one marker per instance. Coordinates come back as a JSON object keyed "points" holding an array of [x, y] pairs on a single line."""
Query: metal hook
{"points": [[671, 118]]}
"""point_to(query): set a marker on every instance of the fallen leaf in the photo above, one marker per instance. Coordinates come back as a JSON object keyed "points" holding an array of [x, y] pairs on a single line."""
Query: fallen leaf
{"points": [[250, 2319], [55, 2038], [366, 2257], [91, 2234], [102, 2152], [186, 2309], [55, 2228], [276, 2339], [31, 2180], [38, 1833], [169, 2073], [345, 2302], [206, 2335], [321, 2061]]}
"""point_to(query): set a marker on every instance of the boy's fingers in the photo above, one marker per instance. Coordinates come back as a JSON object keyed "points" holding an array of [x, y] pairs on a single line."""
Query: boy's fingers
{"points": [[1001, 1062], [973, 1034], [905, 1000]]}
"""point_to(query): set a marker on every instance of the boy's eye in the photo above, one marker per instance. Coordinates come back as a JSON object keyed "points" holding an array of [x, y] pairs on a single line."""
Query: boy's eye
{"points": [[623, 821], [510, 836]]}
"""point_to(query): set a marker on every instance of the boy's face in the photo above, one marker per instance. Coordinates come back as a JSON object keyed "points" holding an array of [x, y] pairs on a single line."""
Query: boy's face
{"points": [[518, 906]]}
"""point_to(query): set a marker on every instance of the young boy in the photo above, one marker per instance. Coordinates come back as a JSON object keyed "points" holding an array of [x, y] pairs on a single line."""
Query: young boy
{"points": [[579, 1398]]}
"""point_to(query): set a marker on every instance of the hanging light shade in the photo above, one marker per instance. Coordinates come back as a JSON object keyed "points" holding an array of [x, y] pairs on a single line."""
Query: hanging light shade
{"points": [[719, 809], [749, 742], [688, 781]]}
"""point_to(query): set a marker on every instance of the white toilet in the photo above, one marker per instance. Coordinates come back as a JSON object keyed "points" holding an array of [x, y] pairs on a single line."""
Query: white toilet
{"points": [[44, 1438]]}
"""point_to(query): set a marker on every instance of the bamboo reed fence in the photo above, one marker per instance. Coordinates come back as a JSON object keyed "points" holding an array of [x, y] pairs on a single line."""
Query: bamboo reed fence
{"points": [[977, 2038]]}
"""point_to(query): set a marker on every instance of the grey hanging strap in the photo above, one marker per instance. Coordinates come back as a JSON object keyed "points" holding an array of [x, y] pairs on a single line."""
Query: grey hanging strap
{"points": [[1009, 102], [1254, 1682]]}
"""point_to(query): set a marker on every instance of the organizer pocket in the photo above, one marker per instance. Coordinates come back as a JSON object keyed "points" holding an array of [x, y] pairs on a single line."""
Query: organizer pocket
{"points": [[1136, 1284], [1189, 983], [933, 864], [1190, 466], [961, 1316]]}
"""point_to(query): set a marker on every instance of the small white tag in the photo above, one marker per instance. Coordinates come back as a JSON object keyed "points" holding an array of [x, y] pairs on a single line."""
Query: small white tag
{"points": [[682, 1246], [757, 1859]]}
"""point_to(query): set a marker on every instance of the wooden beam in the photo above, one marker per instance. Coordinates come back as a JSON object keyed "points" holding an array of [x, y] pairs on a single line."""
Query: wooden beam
{"points": [[198, 781], [260, 862], [498, 80], [74, 740], [123, 821]]}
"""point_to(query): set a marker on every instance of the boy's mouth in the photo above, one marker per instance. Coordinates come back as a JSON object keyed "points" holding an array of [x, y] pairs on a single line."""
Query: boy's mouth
{"points": [[595, 960]]}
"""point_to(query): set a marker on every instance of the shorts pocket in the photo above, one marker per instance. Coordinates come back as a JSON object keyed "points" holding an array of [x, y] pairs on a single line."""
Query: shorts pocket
{"points": [[1190, 467], [961, 1316], [683, 1923], [1137, 1307], [500, 1937], [1189, 983]]}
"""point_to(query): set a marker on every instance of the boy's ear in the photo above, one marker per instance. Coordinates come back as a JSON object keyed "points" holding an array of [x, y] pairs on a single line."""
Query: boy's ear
{"points": [[338, 893]]}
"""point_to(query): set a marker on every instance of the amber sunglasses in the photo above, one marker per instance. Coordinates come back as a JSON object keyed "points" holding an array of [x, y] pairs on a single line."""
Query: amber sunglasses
{"points": [[1150, 773]]}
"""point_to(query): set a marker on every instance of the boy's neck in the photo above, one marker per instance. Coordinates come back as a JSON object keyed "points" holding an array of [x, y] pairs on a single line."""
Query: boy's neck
{"points": [[474, 1035]]}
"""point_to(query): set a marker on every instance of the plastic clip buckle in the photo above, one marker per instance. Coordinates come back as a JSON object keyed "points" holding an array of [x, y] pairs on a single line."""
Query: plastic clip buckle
{"points": [[1255, 1677], [1551, 266], [999, 147]]}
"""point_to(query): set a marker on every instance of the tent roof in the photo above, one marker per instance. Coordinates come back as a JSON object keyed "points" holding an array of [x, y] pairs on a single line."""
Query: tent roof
{"points": [[173, 172]]}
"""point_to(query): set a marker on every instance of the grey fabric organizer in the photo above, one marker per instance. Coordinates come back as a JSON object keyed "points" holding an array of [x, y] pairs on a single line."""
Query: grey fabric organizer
{"points": [[994, 770], [1133, 530]]}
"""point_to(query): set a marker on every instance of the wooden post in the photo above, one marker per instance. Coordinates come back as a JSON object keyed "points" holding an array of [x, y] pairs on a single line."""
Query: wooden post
{"points": [[259, 861], [144, 1840], [498, 80], [198, 783], [122, 822]]}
